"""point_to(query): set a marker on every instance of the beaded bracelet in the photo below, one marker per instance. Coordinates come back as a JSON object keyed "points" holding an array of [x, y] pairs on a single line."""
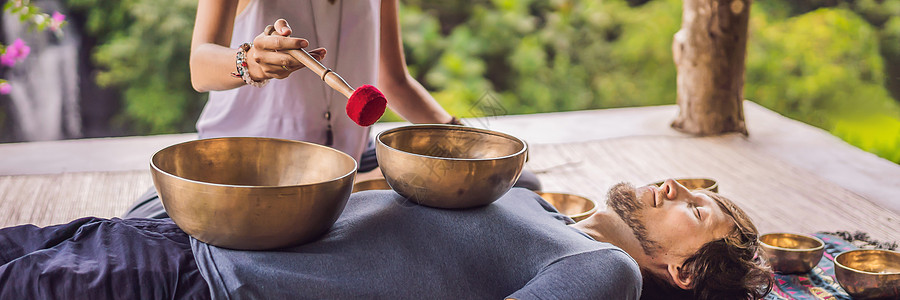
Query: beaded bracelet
{"points": [[241, 65]]}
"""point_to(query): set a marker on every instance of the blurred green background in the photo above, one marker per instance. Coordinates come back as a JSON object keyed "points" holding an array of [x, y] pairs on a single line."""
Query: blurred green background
{"points": [[834, 64]]}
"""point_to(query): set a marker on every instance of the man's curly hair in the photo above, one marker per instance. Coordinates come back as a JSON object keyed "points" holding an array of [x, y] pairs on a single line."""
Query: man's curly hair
{"points": [[727, 268]]}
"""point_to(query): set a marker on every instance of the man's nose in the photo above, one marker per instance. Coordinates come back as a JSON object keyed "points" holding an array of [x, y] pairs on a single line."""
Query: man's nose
{"points": [[674, 191]]}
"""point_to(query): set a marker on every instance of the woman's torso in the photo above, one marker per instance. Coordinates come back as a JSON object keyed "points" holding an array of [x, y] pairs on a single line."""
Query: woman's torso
{"points": [[295, 107]]}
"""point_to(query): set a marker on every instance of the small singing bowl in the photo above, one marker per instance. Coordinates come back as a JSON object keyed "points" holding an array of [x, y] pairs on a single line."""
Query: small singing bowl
{"points": [[371, 184], [253, 193], [695, 184], [576, 207], [447, 166], [790, 253], [869, 274]]}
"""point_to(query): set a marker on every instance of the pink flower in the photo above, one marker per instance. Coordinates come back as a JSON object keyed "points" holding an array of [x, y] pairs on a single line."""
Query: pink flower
{"points": [[5, 88], [15, 52], [56, 20], [58, 17], [22, 50], [7, 60], [18, 50]]}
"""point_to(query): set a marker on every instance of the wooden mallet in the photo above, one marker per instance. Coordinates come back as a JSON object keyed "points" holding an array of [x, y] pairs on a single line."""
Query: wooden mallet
{"points": [[365, 105]]}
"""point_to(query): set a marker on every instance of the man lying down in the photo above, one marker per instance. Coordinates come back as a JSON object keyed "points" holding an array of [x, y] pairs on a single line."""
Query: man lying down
{"points": [[694, 243]]}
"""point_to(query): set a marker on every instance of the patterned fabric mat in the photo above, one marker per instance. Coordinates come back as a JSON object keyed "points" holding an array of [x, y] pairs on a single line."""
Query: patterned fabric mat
{"points": [[820, 283]]}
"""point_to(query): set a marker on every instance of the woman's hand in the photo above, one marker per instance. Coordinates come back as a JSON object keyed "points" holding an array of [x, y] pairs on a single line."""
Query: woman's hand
{"points": [[264, 61]]}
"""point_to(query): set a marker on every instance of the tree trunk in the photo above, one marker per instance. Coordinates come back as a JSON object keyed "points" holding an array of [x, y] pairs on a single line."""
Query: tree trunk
{"points": [[709, 53]]}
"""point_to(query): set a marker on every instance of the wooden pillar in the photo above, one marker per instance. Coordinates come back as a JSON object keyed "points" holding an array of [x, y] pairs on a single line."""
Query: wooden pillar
{"points": [[709, 53]]}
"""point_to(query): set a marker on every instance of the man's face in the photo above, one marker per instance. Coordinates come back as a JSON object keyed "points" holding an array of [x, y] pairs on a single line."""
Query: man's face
{"points": [[670, 222]]}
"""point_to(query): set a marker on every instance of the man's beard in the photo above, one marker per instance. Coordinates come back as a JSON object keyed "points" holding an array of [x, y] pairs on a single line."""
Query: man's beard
{"points": [[622, 199]]}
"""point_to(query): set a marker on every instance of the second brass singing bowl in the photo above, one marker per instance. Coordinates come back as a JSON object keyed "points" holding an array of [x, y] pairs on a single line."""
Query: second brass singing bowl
{"points": [[696, 184], [869, 274], [447, 166], [253, 193], [576, 207], [371, 184], [790, 253]]}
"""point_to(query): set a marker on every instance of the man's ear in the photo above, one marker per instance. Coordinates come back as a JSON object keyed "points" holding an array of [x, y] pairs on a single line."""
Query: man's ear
{"points": [[681, 280]]}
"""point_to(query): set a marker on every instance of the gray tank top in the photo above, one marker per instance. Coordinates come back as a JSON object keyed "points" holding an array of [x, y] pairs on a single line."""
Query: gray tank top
{"points": [[294, 107]]}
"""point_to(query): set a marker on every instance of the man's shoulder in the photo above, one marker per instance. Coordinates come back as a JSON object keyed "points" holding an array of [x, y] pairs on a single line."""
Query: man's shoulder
{"points": [[605, 273], [605, 255], [611, 265]]}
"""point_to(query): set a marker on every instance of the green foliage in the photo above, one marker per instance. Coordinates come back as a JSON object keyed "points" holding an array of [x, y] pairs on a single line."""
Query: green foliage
{"points": [[835, 68], [890, 51], [543, 56], [877, 13], [546, 56], [145, 52], [877, 133], [844, 76], [839, 88], [104, 18]]}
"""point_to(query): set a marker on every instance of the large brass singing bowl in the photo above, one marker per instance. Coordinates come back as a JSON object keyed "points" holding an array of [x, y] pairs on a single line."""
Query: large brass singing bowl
{"points": [[869, 274], [447, 166], [790, 253], [253, 193]]}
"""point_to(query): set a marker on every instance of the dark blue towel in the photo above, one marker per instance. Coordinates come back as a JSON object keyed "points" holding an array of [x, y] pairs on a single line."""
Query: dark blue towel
{"points": [[93, 258]]}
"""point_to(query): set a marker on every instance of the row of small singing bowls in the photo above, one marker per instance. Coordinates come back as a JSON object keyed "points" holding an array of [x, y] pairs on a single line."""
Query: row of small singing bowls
{"points": [[447, 166], [789, 253], [576, 207], [253, 193], [869, 274]]}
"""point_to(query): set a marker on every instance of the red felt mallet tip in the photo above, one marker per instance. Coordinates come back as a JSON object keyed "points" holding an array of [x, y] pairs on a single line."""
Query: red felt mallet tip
{"points": [[366, 105]]}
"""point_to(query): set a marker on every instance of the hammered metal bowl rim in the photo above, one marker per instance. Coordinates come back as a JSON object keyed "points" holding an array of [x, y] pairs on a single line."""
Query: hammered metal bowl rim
{"points": [[578, 215], [451, 127], [157, 169], [861, 271], [817, 248]]}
